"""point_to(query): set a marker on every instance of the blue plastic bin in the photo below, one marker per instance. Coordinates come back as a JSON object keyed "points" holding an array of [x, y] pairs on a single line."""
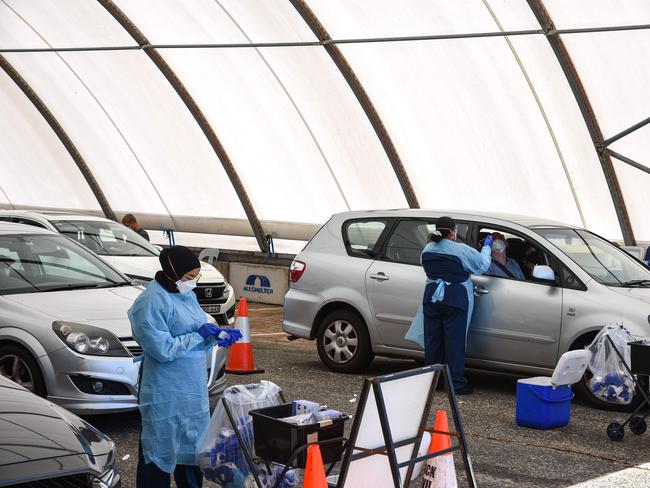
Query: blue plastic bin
{"points": [[542, 406]]}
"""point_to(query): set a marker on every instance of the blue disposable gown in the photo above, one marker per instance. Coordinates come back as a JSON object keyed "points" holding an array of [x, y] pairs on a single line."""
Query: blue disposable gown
{"points": [[473, 262], [173, 384]]}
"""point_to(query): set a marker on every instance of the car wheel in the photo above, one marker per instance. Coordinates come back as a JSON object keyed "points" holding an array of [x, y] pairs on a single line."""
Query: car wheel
{"points": [[343, 342], [17, 364], [582, 389]]}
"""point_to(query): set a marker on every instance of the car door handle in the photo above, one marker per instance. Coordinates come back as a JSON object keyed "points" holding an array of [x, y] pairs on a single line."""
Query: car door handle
{"points": [[479, 290], [379, 276]]}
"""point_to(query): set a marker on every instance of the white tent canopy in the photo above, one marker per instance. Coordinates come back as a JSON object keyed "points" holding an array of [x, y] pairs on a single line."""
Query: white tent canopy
{"points": [[465, 116]]}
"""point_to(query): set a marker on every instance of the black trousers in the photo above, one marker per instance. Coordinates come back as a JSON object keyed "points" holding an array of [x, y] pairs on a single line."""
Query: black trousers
{"points": [[151, 476], [444, 339]]}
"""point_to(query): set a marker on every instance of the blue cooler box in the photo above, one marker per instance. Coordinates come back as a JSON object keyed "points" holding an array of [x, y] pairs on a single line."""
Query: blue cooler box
{"points": [[541, 405], [543, 402]]}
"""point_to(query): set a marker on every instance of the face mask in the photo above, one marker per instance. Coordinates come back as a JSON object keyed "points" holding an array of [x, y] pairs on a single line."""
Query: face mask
{"points": [[499, 246], [186, 286]]}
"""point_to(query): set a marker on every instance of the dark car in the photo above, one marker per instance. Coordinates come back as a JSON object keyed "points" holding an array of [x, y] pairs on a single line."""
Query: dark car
{"points": [[42, 444]]}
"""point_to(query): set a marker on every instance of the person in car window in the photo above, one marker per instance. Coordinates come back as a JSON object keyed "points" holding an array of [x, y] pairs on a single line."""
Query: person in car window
{"points": [[449, 298], [169, 325], [502, 266], [130, 221]]}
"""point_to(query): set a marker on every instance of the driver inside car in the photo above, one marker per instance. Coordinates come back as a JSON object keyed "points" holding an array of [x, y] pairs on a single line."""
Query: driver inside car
{"points": [[502, 266]]}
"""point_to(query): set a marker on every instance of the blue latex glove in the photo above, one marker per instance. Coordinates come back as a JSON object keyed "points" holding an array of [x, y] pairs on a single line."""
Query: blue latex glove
{"points": [[227, 337], [488, 241], [208, 329]]}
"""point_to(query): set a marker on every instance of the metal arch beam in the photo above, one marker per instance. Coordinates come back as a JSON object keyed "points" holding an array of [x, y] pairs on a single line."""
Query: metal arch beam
{"points": [[357, 88], [61, 134], [588, 114], [198, 115]]}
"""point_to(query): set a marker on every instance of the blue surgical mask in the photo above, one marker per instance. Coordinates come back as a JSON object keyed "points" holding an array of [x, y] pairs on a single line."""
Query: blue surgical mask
{"points": [[186, 286]]}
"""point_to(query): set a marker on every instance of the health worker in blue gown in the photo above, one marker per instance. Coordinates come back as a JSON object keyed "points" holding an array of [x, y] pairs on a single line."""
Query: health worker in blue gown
{"points": [[449, 298], [174, 334]]}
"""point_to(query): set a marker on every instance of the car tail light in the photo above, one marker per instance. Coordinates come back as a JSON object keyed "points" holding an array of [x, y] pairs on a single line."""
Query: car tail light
{"points": [[296, 270]]}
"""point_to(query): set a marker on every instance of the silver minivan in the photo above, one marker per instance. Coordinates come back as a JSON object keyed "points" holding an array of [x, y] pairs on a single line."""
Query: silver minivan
{"points": [[357, 284]]}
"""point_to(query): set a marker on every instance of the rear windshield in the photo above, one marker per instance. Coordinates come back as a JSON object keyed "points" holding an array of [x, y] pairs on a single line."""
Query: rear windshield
{"points": [[604, 261]]}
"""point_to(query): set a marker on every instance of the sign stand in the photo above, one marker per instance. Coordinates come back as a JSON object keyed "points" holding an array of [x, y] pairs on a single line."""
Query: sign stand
{"points": [[377, 387]]}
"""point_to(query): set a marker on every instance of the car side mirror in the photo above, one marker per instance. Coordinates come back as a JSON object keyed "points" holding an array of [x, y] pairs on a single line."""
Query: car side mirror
{"points": [[544, 273]]}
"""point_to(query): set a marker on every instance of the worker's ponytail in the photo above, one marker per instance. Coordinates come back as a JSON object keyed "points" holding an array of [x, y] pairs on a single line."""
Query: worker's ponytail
{"points": [[440, 234], [444, 226]]}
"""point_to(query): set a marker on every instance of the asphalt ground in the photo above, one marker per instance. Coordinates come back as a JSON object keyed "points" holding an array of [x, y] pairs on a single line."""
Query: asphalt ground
{"points": [[502, 454]]}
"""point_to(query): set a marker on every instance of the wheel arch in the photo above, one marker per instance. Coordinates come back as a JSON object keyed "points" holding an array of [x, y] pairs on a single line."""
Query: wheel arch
{"points": [[330, 307]]}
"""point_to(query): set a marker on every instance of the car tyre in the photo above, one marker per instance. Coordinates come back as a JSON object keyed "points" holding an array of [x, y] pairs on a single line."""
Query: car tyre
{"points": [[343, 342], [17, 364]]}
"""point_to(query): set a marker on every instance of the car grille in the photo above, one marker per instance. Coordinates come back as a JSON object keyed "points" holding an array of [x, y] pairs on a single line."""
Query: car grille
{"points": [[75, 481], [133, 347], [209, 293]]}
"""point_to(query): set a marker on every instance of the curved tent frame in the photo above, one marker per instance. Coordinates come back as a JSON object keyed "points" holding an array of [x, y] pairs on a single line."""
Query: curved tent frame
{"points": [[601, 145]]}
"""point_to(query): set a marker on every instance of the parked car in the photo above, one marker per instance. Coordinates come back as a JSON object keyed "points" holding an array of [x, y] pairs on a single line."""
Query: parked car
{"points": [[45, 445], [357, 284], [129, 252], [64, 329]]}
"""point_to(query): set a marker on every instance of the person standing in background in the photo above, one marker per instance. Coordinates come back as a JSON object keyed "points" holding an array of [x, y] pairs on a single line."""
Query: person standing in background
{"points": [[130, 221]]}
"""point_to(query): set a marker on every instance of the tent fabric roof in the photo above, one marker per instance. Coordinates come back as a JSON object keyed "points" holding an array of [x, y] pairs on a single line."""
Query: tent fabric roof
{"points": [[478, 120]]}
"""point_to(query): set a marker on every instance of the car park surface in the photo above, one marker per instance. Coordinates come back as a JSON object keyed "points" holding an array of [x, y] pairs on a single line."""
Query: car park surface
{"points": [[357, 285], [45, 445], [64, 330], [504, 455]]}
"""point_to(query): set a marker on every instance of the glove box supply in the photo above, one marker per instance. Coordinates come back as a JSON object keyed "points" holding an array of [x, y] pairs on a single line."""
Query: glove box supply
{"points": [[543, 402], [303, 406], [276, 439]]}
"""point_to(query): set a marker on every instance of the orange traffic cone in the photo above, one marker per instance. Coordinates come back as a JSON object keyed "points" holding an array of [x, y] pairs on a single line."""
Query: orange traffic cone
{"points": [[314, 469], [440, 471], [240, 359]]}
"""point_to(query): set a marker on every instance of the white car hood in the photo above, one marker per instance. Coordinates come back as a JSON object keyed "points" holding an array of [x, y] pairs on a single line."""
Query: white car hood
{"points": [[102, 307], [148, 266], [642, 294]]}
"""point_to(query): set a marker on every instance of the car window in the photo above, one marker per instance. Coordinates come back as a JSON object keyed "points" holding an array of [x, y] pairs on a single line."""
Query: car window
{"points": [[30, 263], [362, 237], [106, 238], [519, 259], [408, 239], [604, 261]]}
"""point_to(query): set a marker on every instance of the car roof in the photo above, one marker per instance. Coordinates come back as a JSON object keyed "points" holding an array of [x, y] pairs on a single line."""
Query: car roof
{"points": [[11, 228], [51, 215], [523, 220]]}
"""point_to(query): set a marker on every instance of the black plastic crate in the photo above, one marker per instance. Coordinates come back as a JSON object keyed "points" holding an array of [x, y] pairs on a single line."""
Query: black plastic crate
{"points": [[640, 353], [276, 440]]}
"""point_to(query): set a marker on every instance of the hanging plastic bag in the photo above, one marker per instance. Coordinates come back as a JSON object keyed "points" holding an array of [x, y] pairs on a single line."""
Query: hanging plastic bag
{"points": [[218, 451], [611, 382]]}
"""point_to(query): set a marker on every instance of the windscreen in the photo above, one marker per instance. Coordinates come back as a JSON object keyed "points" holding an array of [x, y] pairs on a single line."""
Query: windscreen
{"points": [[604, 261], [106, 238], [40, 263]]}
